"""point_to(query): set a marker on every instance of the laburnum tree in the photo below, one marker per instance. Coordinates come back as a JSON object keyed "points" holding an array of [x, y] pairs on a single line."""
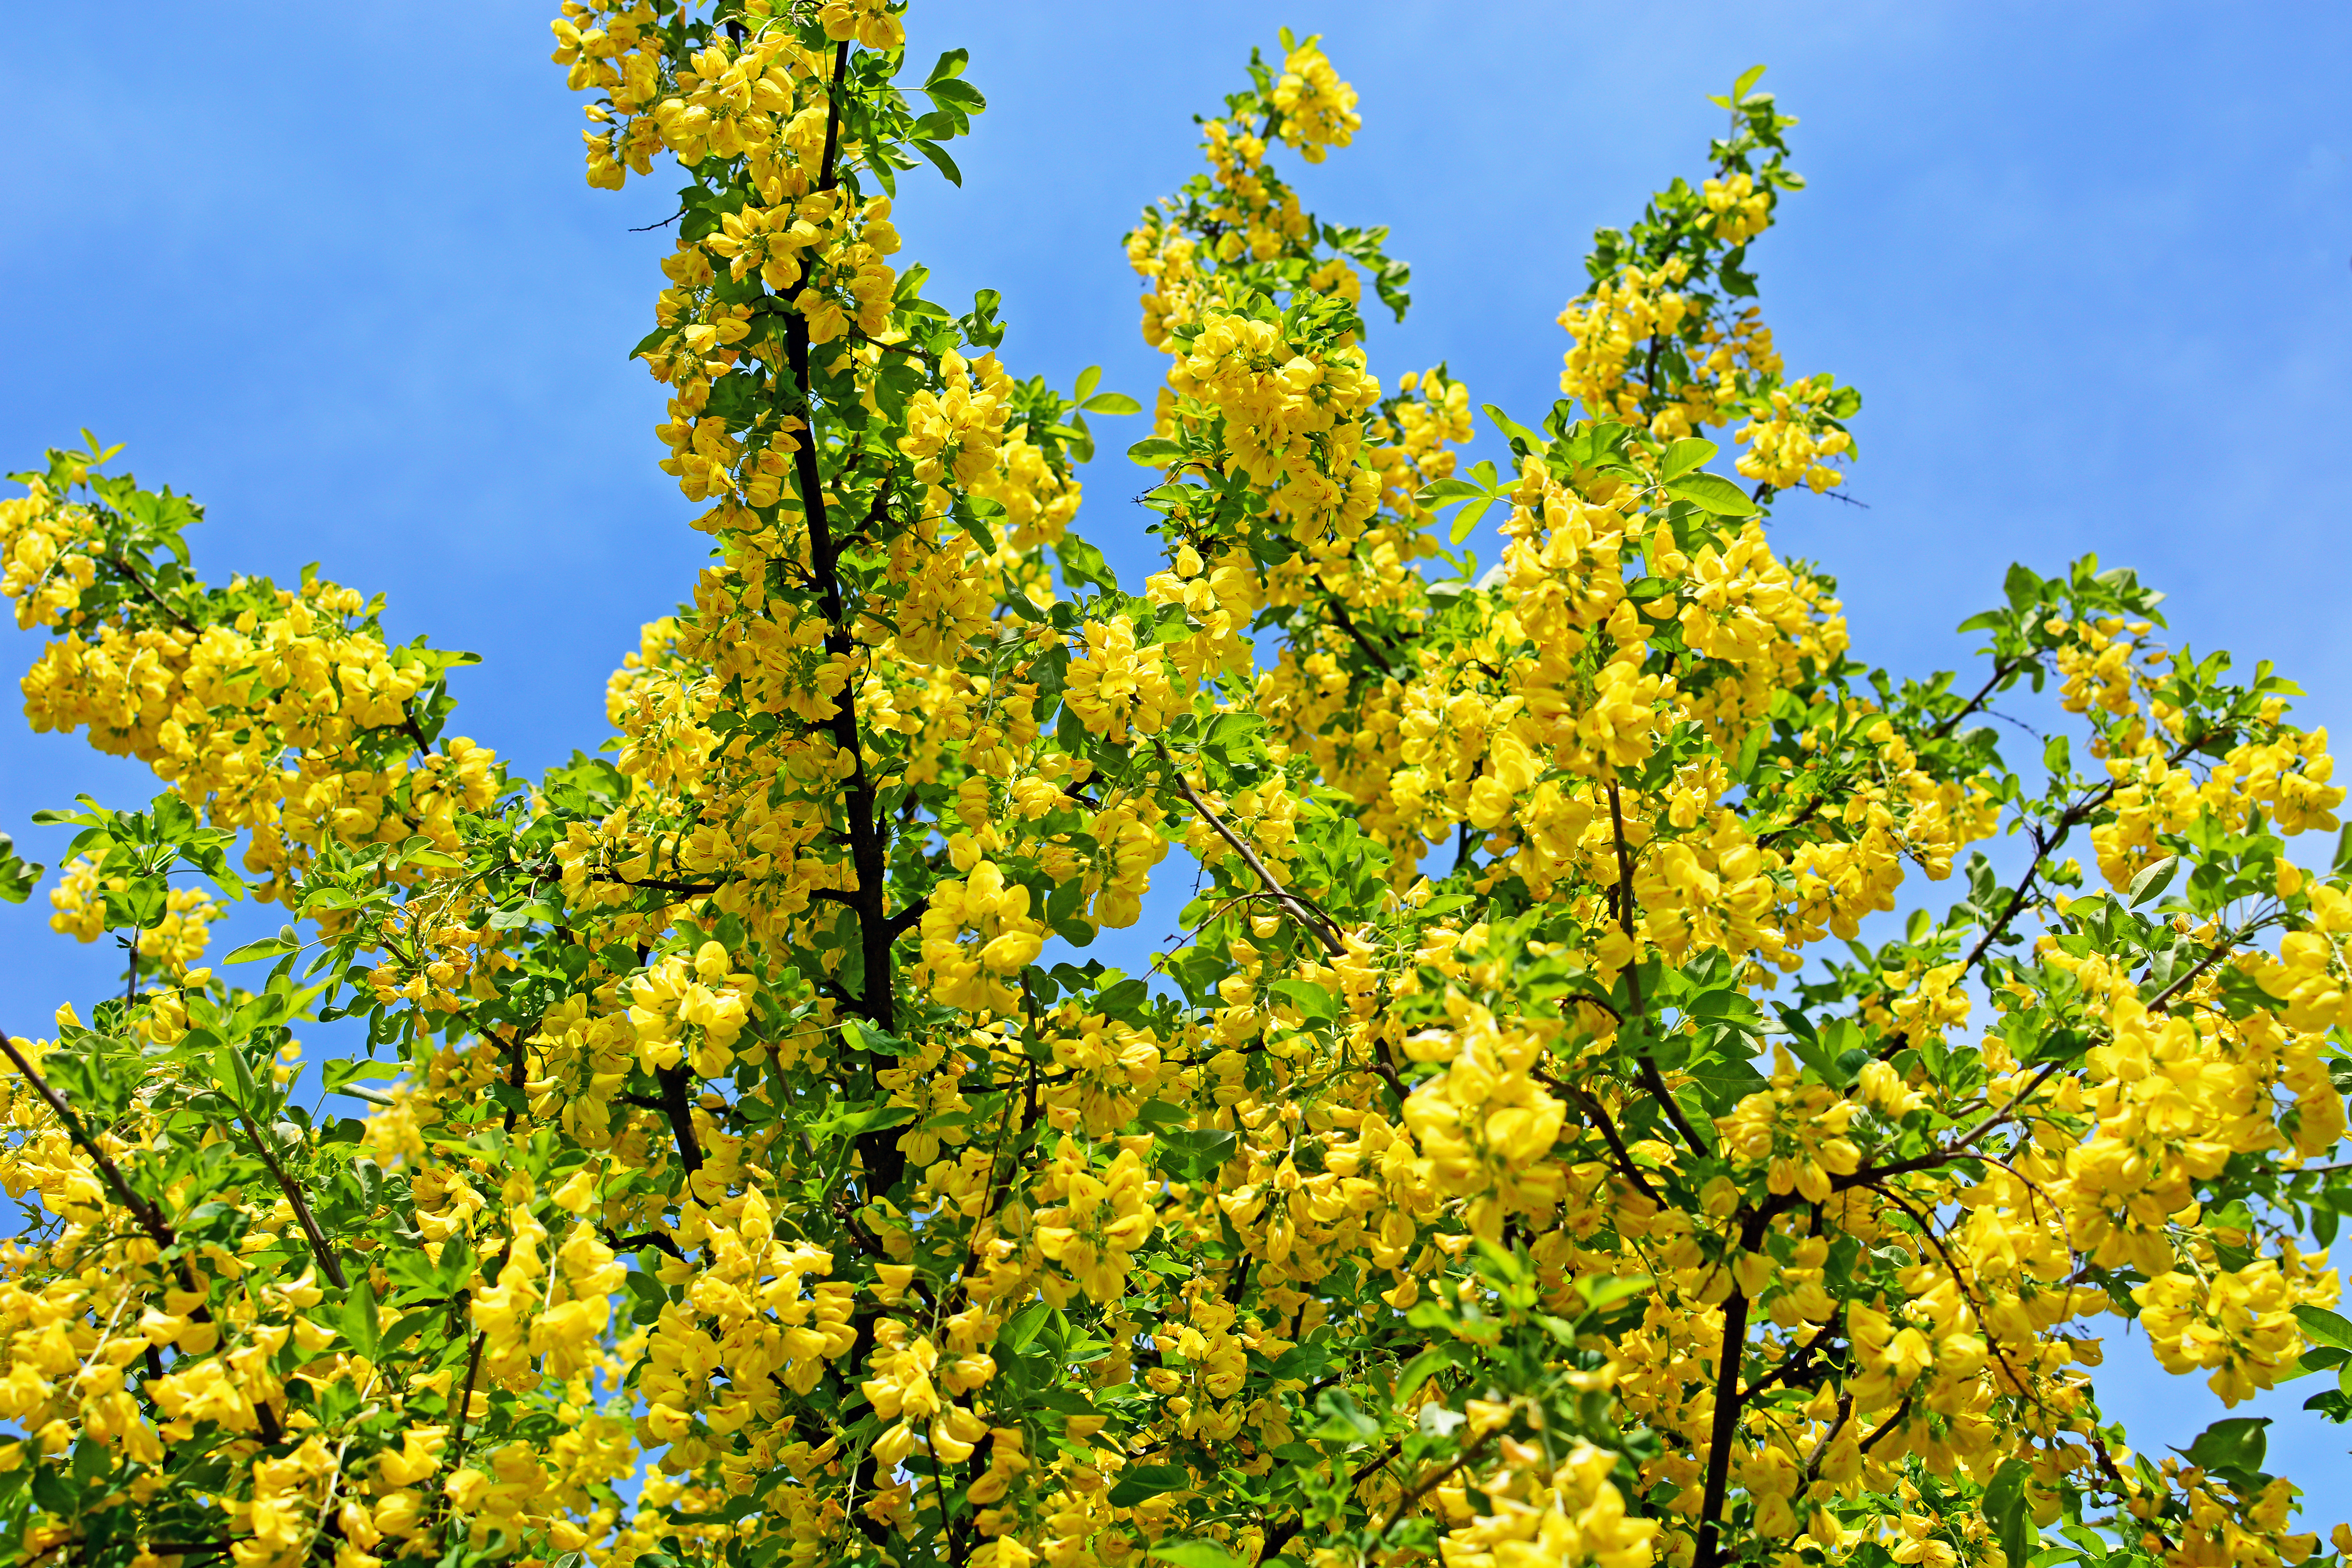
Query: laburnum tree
{"points": [[1532, 1154]]}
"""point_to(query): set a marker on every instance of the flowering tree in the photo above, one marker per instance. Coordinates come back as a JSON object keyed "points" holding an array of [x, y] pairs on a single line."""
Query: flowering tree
{"points": [[1522, 1160]]}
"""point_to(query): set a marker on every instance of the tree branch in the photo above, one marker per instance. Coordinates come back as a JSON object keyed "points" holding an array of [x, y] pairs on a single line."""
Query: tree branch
{"points": [[122, 564], [1427, 1483], [1645, 1066], [151, 1219], [2000, 671], [1325, 929], [1347, 624], [1598, 1115], [320, 1248], [676, 1106], [1724, 1431]]}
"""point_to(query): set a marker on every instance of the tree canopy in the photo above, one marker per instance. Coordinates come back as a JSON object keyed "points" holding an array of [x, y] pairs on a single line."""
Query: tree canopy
{"points": [[1533, 1155]]}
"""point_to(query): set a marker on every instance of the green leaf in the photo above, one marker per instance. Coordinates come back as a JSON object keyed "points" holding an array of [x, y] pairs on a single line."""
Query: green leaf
{"points": [[1466, 521], [1684, 455], [1602, 1292], [1749, 79], [249, 1094], [2005, 1509], [1082, 564], [1716, 493], [1150, 1481], [850, 1123], [2153, 878], [360, 1325], [2236, 1444], [1311, 1000], [1088, 379], [1154, 450], [939, 160], [1196, 1555], [1513, 428], [1420, 1370], [2322, 1327], [334, 1075], [16, 875], [963, 94], [267, 947], [1111, 403]]}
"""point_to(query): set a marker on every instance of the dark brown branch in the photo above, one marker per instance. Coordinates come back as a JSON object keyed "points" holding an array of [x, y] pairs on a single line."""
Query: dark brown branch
{"points": [[1598, 1116], [649, 1239], [2043, 848], [122, 564], [1821, 1447], [151, 1219], [680, 1112], [1724, 1430], [1325, 931], [517, 1059], [1960, 1283], [1347, 624], [1793, 1362], [1902, 1412], [1427, 1483], [688, 890], [1646, 1064], [413, 731], [825, 170], [320, 1246], [2001, 672]]}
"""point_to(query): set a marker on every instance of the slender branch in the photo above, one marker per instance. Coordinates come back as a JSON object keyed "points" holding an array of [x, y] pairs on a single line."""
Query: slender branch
{"points": [[463, 1411], [1902, 1412], [1326, 930], [687, 888], [1787, 1371], [649, 1239], [1427, 1483], [320, 1246], [2226, 946], [122, 564], [1347, 624], [2043, 848], [2000, 671], [413, 731], [1593, 1109], [1285, 1532], [151, 1219], [1821, 1445], [1645, 1066], [518, 1056], [1959, 1283]]}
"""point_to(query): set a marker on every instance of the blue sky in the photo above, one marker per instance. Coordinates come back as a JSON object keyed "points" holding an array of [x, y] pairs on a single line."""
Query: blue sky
{"points": [[334, 271]]}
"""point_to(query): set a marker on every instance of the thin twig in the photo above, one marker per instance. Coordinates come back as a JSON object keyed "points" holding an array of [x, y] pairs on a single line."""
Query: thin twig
{"points": [[320, 1248], [1645, 1066], [1423, 1487], [1326, 930], [149, 1218]]}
